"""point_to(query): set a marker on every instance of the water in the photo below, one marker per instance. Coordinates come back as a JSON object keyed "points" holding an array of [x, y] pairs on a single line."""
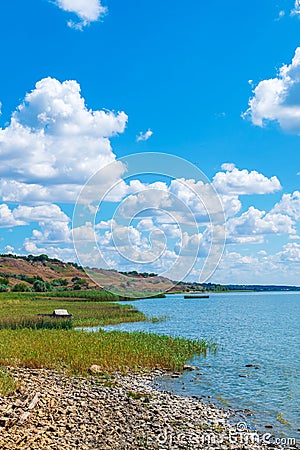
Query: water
{"points": [[261, 329]]}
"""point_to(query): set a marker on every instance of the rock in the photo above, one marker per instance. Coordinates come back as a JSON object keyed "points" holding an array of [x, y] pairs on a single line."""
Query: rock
{"points": [[190, 368], [81, 413], [94, 369], [4, 421]]}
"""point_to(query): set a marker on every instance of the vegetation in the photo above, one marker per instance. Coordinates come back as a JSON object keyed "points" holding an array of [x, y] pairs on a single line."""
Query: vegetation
{"points": [[20, 287], [134, 273], [30, 340], [36, 342], [41, 259], [281, 420], [7, 382], [36, 323], [77, 351], [21, 307]]}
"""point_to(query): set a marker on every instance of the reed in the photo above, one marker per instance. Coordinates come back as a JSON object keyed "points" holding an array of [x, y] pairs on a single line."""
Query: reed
{"points": [[24, 307], [30, 341], [76, 351], [36, 323]]}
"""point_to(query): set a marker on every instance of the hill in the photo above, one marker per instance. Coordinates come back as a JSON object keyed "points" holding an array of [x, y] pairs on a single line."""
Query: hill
{"points": [[27, 273]]}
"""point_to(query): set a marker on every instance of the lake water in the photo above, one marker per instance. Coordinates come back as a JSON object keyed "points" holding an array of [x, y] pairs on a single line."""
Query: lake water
{"points": [[261, 329]]}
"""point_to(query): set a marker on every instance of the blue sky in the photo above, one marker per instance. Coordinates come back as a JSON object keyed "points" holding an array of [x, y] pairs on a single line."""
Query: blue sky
{"points": [[183, 72]]}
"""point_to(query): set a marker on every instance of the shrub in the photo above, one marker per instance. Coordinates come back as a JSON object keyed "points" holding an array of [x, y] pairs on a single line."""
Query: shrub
{"points": [[20, 287], [42, 286]]}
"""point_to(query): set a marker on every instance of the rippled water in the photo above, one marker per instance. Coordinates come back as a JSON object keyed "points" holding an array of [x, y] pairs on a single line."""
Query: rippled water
{"points": [[251, 328]]}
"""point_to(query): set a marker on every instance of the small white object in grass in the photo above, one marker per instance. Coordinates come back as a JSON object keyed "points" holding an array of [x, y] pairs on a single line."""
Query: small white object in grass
{"points": [[61, 312]]}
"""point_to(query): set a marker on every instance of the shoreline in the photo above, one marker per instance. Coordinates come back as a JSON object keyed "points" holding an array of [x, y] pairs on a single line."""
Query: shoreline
{"points": [[51, 410]]}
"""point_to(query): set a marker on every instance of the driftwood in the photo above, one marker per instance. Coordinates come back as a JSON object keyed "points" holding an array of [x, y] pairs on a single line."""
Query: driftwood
{"points": [[34, 401], [31, 406]]}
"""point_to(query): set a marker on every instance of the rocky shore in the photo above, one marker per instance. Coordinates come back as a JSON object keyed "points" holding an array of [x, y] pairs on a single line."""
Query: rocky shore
{"points": [[52, 411]]}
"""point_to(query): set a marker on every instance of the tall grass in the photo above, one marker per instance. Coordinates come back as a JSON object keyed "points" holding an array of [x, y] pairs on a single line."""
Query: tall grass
{"points": [[36, 323], [76, 351], [26, 307], [30, 341], [7, 382]]}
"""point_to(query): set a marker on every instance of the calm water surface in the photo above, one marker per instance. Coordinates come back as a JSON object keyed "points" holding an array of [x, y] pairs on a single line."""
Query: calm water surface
{"points": [[250, 328]]}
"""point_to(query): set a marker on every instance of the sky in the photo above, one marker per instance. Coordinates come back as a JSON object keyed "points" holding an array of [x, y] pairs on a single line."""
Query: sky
{"points": [[85, 83]]}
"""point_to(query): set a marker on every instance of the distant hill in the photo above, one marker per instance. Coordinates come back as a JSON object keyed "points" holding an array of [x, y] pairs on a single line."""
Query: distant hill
{"points": [[28, 270], [41, 272]]}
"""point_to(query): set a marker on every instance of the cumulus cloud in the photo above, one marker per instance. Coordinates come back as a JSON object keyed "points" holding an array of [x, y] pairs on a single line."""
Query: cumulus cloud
{"points": [[290, 253], [243, 182], [86, 10], [7, 218], [289, 205], [54, 143], [296, 10], [53, 228], [252, 225], [277, 99], [40, 213], [53, 251], [144, 136]]}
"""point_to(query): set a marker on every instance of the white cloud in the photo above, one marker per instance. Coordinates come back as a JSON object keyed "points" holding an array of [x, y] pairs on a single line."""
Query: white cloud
{"points": [[228, 167], [24, 215], [290, 253], [144, 136], [243, 182], [252, 225], [63, 253], [7, 218], [290, 205], [9, 248], [86, 10], [277, 99], [40, 213], [54, 143], [296, 10]]}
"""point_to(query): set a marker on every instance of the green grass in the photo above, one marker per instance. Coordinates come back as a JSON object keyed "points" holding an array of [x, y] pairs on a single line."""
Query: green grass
{"points": [[76, 351], [281, 420], [35, 342], [24, 306], [7, 382], [36, 323]]}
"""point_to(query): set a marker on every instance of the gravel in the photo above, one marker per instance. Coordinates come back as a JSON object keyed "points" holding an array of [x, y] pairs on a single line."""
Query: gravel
{"points": [[51, 410]]}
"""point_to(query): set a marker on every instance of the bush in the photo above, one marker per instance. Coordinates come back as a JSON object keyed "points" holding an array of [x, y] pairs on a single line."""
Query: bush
{"points": [[4, 280], [42, 286], [62, 282], [3, 288], [20, 287]]}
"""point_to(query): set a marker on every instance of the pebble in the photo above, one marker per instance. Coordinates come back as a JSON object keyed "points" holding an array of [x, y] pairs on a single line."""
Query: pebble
{"points": [[86, 413]]}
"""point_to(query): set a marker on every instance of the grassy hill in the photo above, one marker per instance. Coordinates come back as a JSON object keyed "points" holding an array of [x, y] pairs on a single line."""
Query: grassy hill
{"points": [[21, 273]]}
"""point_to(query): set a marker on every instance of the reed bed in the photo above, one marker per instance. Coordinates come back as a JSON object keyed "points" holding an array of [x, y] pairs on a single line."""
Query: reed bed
{"points": [[22, 307], [76, 351], [43, 342], [36, 323]]}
